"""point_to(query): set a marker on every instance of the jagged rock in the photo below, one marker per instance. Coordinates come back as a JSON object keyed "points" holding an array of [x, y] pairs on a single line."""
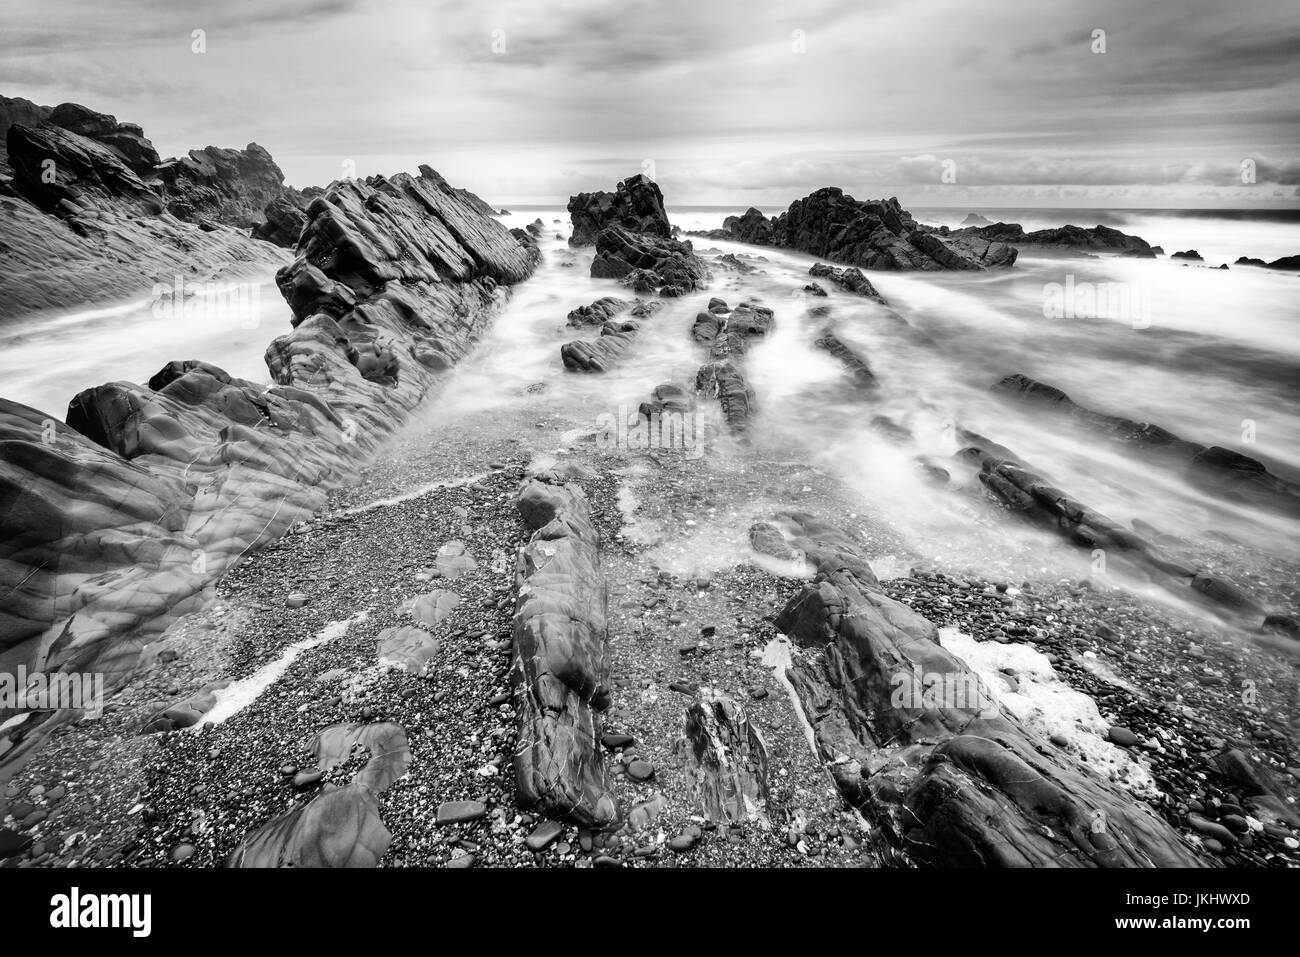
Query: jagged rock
{"points": [[724, 759], [732, 334], [560, 669], [636, 205], [723, 381], [100, 524], [96, 231], [1226, 473], [850, 279], [285, 221], [127, 140], [963, 784], [1075, 237], [1190, 254], [857, 367], [1288, 263], [228, 185], [599, 312], [874, 234], [975, 219], [648, 264], [23, 112], [58, 169], [602, 353]]}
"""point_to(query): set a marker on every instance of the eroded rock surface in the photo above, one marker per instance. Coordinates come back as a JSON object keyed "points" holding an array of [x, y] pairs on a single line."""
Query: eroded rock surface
{"points": [[636, 205], [964, 784], [560, 668], [725, 760]]}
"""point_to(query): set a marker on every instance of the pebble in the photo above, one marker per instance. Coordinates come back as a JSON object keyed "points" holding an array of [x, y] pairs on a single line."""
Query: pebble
{"points": [[614, 741], [640, 770], [459, 812], [305, 779], [183, 852], [461, 861], [681, 843], [296, 600], [543, 835], [1122, 736]]}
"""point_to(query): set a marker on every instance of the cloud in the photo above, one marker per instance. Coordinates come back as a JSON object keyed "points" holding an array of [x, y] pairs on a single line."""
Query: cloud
{"points": [[527, 99]]}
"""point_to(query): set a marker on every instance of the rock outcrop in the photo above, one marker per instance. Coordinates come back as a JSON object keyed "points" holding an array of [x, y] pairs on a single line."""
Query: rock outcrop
{"points": [[725, 760], [86, 219], [637, 205], [855, 365], [647, 264], [1101, 238], [874, 234], [560, 669], [1223, 472], [122, 519], [728, 334], [850, 279], [952, 782]]}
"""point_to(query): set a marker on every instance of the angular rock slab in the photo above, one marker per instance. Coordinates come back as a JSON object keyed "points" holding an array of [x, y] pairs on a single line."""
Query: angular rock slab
{"points": [[961, 785], [725, 760], [560, 667]]}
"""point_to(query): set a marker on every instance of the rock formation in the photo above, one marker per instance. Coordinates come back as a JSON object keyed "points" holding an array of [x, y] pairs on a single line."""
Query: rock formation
{"points": [[850, 279], [874, 234], [91, 215], [560, 668], [637, 205], [123, 518], [1102, 238], [960, 784], [1226, 473], [647, 264]]}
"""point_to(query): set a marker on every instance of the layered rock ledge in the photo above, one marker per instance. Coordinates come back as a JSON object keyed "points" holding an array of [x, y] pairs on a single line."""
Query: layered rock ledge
{"points": [[123, 518]]}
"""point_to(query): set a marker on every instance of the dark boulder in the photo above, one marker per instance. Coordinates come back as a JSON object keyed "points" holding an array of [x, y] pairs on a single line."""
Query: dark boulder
{"points": [[648, 264], [637, 205]]}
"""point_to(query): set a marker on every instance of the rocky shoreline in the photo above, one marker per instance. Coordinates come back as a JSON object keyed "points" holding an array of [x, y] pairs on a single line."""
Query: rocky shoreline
{"points": [[460, 642]]}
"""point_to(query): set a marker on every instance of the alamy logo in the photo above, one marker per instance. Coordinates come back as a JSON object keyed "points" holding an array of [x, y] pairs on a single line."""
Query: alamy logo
{"points": [[1126, 301], [41, 692], [636, 431], [933, 690], [75, 910], [209, 301]]}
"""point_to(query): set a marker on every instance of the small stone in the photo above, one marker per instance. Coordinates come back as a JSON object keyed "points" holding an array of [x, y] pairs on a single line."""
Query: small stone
{"points": [[640, 770], [543, 835], [460, 812], [1122, 736], [461, 861], [615, 741], [305, 779], [183, 852], [296, 600], [681, 843]]}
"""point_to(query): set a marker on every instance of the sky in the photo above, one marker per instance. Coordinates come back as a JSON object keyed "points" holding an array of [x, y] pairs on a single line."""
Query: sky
{"points": [[1175, 103]]}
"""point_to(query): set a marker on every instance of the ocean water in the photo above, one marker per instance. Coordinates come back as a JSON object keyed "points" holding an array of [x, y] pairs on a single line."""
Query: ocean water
{"points": [[1213, 355]]}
